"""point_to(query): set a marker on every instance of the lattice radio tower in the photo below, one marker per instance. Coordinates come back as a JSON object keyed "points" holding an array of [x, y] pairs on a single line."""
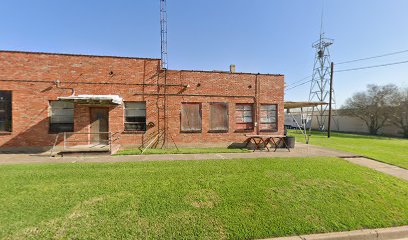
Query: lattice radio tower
{"points": [[163, 33], [320, 84]]}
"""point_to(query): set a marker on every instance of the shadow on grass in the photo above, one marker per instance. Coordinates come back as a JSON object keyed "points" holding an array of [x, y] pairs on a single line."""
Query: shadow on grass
{"points": [[347, 135], [181, 151]]}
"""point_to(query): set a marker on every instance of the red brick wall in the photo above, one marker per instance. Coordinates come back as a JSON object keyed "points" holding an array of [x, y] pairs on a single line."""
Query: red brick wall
{"points": [[31, 76]]}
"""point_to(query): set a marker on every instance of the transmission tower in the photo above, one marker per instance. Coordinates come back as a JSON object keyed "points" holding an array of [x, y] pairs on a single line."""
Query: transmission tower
{"points": [[320, 84], [163, 33]]}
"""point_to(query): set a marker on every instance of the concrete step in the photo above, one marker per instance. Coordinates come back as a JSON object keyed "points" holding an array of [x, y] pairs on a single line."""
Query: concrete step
{"points": [[85, 150], [82, 153]]}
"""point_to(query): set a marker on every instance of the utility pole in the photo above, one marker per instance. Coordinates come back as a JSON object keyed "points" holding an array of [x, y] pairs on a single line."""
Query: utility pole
{"points": [[330, 100]]}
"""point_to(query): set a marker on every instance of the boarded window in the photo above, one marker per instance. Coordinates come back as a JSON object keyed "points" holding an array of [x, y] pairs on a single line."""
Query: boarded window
{"points": [[135, 116], [190, 117], [61, 116], [268, 117], [244, 117], [5, 111], [219, 117]]}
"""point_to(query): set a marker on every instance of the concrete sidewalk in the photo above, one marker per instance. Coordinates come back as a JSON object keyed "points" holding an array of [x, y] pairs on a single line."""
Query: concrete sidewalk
{"points": [[397, 233], [379, 166], [301, 150]]}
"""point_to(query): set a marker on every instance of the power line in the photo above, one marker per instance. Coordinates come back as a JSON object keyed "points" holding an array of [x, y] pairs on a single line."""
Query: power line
{"points": [[373, 66], [367, 58], [290, 84], [299, 85], [351, 69]]}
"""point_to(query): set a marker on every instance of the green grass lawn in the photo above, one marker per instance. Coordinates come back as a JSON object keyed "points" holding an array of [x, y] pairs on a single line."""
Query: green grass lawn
{"points": [[214, 199], [389, 150], [181, 151]]}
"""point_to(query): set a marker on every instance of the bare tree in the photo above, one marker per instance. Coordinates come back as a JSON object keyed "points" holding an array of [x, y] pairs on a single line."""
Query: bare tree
{"points": [[399, 115], [372, 106]]}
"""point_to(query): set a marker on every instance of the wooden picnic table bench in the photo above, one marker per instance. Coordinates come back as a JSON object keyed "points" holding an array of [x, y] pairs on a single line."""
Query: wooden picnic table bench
{"points": [[258, 140]]}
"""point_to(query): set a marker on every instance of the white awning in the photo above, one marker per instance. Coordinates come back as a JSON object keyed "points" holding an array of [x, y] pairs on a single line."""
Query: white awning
{"points": [[290, 105], [94, 99]]}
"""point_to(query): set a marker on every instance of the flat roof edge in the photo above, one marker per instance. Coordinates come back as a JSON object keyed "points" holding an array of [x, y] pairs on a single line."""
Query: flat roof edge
{"points": [[140, 58], [75, 55], [227, 72]]}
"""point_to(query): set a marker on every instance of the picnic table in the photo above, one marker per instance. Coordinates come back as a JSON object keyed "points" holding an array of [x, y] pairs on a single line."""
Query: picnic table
{"points": [[265, 140]]}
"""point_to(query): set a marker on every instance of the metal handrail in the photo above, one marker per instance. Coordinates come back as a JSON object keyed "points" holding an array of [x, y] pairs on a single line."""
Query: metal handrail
{"points": [[112, 137]]}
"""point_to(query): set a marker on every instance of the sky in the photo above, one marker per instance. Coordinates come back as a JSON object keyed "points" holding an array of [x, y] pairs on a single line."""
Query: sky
{"points": [[260, 36]]}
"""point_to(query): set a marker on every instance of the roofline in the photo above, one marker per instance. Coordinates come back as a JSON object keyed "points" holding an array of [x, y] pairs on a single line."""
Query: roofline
{"points": [[140, 58], [227, 72], [75, 55]]}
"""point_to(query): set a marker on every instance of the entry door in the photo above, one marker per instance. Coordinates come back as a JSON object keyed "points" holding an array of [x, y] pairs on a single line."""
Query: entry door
{"points": [[99, 123]]}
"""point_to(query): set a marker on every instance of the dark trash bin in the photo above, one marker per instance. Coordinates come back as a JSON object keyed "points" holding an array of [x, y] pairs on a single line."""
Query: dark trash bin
{"points": [[290, 142]]}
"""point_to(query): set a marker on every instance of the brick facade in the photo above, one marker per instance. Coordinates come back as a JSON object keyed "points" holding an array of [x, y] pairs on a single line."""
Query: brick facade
{"points": [[31, 78]]}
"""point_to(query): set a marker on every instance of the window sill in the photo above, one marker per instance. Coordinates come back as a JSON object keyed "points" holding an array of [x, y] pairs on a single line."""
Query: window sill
{"points": [[5, 133], [243, 130], [133, 132], [193, 131], [217, 131], [269, 130]]}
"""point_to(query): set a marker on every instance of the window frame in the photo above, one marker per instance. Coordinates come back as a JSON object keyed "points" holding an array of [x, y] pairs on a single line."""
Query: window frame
{"points": [[124, 117], [243, 122], [8, 112], [51, 129], [200, 113], [276, 117], [210, 130]]}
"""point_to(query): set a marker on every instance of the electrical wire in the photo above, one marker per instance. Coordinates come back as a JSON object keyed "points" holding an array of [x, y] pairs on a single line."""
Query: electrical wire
{"points": [[293, 83], [373, 66], [367, 58], [299, 85], [351, 69]]}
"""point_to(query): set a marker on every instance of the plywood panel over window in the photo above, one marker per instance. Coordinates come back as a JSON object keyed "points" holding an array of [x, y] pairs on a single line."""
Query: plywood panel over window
{"points": [[135, 116], [190, 117], [244, 117], [61, 116], [268, 117], [218, 117], [5, 111]]}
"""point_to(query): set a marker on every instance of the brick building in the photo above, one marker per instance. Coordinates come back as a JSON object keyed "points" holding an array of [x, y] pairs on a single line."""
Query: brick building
{"points": [[94, 98]]}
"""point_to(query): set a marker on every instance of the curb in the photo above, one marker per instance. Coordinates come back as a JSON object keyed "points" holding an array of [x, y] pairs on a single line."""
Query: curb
{"points": [[365, 234]]}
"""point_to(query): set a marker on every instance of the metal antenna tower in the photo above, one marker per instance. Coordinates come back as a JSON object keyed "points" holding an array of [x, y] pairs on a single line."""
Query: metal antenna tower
{"points": [[320, 84], [163, 33]]}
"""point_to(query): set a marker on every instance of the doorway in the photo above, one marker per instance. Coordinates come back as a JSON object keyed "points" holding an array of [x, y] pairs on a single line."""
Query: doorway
{"points": [[99, 125]]}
